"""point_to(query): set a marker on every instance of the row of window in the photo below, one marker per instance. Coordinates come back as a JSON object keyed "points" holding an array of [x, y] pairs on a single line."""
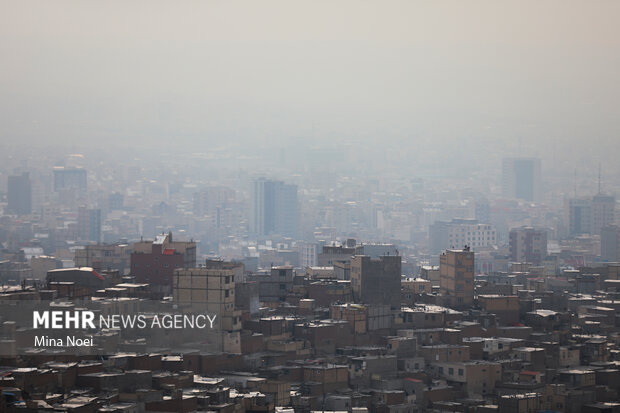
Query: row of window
{"points": [[451, 371]]}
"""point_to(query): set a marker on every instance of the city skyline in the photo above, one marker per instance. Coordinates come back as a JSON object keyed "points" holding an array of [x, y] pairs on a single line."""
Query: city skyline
{"points": [[304, 207]]}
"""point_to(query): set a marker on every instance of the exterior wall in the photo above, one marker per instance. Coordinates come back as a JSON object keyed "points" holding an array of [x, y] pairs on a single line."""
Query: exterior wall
{"points": [[246, 297], [333, 254], [155, 262], [156, 269], [456, 270], [103, 257], [19, 194], [431, 274], [521, 178], [610, 243], [603, 212], [478, 378], [528, 245], [355, 314], [325, 293], [417, 286], [275, 285], [589, 215], [444, 353], [211, 289], [506, 307], [460, 232], [376, 281]]}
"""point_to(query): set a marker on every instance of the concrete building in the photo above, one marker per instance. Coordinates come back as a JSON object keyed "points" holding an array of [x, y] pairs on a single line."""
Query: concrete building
{"points": [[274, 208], [78, 282], [413, 288], [459, 232], [89, 224], [603, 212], [331, 254], [521, 403], [376, 281], [274, 285], [19, 194], [610, 243], [115, 201], [376, 250], [521, 179], [579, 216], [41, 265], [476, 378], [105, 257], [70, 178], [154, 262], [505, 307], [431, 273], [218, 264], [211, 290], [589, 215], [308, 254], [456, 271], [528, 244]]}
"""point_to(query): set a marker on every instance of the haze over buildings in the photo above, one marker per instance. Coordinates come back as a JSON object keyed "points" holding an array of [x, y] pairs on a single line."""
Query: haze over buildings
{"points": [[389, 208]]}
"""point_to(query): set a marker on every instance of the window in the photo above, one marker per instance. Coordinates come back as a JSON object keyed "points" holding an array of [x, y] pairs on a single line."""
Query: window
{"points": [[451, 371], [461, 372], [283, 286]]}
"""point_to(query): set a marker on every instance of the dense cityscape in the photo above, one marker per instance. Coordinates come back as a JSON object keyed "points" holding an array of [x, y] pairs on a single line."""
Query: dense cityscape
{"points": [[394, 297], [304, 207]]}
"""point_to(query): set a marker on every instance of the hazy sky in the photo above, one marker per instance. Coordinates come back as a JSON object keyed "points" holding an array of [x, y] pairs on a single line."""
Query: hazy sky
{"points": [[206, 72]]}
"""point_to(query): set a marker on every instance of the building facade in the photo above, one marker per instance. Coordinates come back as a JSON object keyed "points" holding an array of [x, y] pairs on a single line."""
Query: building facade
{"points": [[528, 244], [521, 178], [610, 243], [105, 257], [19, 194], [456, 272], [589, 215], [274, 208], [89, 224], [70, 178], [154, 262], [376, 281], [460, 232]]}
